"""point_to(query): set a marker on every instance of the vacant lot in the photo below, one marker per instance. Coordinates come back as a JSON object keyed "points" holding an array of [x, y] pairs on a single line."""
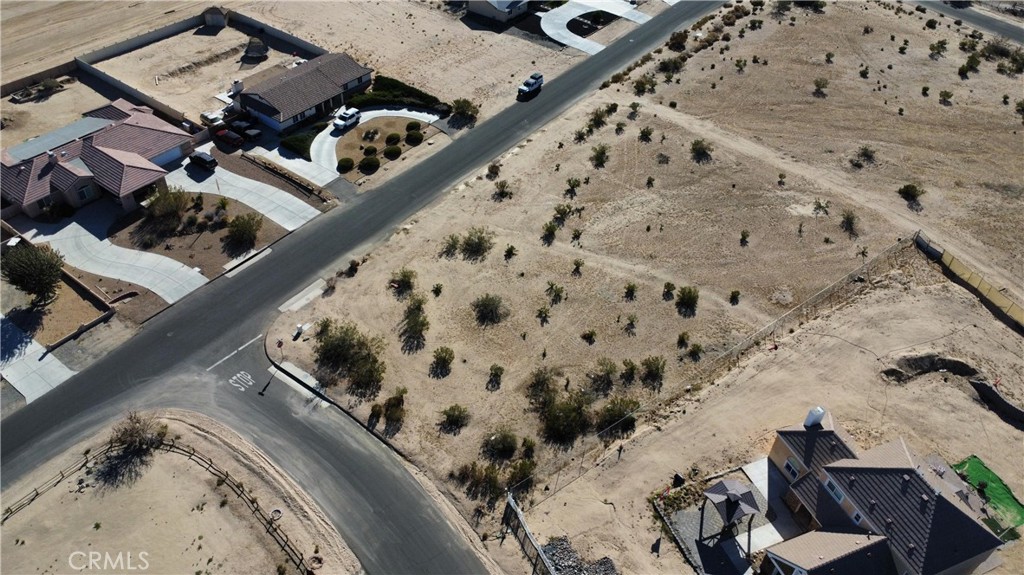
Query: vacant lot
{"points": [[30, 119], [176, 512]]}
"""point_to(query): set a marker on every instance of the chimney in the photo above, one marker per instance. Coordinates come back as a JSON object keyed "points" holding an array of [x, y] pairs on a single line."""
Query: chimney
{"points": [[52, 157], [237, 87], [814, 417]]}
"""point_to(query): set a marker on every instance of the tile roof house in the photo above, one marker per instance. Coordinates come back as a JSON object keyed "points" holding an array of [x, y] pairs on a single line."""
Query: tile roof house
{"points": [[309, 89], [853, 501], [117, 148]]}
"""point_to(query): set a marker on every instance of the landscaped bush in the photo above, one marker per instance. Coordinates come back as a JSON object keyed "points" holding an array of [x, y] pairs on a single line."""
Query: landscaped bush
{"points": [[392, 152], [299, 143], [243, 230], [369, 164], [345, 165], [412, 126], [393, 138], [370, 151], [414, 138]]}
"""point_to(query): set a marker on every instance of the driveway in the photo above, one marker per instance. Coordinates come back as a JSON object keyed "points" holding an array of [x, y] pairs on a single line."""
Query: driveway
{"points": [[82, 241], [312, 171], [25, 363], [555, 23], [323, 149], [278, 205]]}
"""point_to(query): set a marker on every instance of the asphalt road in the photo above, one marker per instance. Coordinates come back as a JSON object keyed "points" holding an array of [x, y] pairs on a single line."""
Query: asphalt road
{"points": [[980, 20], [379, 508]]}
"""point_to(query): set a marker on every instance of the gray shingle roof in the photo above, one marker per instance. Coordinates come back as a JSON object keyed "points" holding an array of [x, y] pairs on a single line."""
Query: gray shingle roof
{"points": [[923, 518], [298, 89], [837, 553]]}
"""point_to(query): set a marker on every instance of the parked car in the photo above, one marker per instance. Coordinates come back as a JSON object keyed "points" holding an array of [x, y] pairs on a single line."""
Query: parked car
{"points": [[240, 126], [211, 118], [347, 118], [252, 135], [532, 84], [203, 160], [229, 137]]}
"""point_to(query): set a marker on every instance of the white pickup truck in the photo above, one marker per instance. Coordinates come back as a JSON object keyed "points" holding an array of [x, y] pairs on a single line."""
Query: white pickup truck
{"points": [[532, 84]]}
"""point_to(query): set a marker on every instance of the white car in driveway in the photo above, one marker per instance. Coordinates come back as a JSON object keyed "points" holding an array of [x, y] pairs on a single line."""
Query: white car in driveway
{"points": [[346, 118]]}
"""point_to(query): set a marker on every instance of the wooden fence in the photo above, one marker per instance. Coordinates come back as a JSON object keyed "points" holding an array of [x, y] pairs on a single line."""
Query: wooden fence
{"points": [[169, 445]]}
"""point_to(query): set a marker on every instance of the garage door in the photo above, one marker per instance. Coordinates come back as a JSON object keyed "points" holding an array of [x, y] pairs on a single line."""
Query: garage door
{"points": [[167, 157]]}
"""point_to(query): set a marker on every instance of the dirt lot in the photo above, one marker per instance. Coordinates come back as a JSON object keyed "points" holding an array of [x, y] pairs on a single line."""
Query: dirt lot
{"points": [[351, 145], [61, 317], [208, 250], [30, 119], [134, 308], [201, 526], [192, 67]]}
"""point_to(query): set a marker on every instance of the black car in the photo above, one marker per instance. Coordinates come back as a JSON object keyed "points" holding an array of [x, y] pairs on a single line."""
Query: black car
{"points": [[252, 135], [203, 160]]}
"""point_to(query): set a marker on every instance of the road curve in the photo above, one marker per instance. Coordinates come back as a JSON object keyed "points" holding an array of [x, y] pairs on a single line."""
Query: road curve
{"points": [[378, 507]]}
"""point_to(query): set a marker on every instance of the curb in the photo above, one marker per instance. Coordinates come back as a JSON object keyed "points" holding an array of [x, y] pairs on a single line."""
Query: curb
{"points": [[323, 397]]}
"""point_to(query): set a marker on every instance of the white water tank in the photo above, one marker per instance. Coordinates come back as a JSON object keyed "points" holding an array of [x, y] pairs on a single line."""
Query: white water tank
{"points": [[814, 416]]}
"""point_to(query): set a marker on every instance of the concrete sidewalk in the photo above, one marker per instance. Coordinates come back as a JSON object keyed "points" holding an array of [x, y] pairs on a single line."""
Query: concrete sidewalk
{"points": [[279, 206], [323, 149], [314, 172], [555, 23], [26, 365], [82, 241]]}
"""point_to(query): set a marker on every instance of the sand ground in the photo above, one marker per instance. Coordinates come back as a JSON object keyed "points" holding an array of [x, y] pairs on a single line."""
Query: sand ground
{"points": [[200, 526]]}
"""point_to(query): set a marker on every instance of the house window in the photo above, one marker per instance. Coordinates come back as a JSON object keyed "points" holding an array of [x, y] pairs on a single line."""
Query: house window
{"points": [[84, 193], [857, 517], [791, 468], [45, 203], [837, 494]]}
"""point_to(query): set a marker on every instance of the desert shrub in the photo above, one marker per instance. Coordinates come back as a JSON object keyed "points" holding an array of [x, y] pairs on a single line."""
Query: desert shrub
{"points": [[345, 165], [616, 417], [848, 223], [501, 444], [455, 418], [924, 91], [931, 24], [510, 252], [683, 340], [653, 371], [414, 138], [744, 237], [414, 325], [734, 297], [668, 291], [677, 41], [645, 134], [540, 387], [412, 126], [695, 352], [489, 309], [465, 109], [520, 475], [629, 293], [494, 377], [442, 365], [864, 72], [451, 246], [243, 230], [393, 138], [549, 230], [394, 411], [392, 152], [403, 282], [701, 150], [589, 336], [938, 48], [945, 96], [502, 191], [437, 289], [477, 244], [599, 156], [493, 170], [565, 419], [602, 377], [369, 164], [628, 374], [33, 270], [341, 351], [686, 300], [911, 192]]}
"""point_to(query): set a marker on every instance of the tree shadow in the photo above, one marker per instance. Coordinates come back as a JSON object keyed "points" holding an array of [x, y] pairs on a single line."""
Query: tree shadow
{"points": [[412, 342], [391, 428], [493, 383], [439, 370], [17, 329], [123, 468], [235, 248]]}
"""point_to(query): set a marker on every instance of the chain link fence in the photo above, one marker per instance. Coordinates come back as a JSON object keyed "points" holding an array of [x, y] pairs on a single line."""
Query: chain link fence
{"points": [[514, 522]]}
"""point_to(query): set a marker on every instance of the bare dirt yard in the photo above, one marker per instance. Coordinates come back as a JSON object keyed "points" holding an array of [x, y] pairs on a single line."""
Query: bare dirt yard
{"points": [[30, 119], [59, 318], [187, 70], [177, 513], [772, 213], [204, 245]]}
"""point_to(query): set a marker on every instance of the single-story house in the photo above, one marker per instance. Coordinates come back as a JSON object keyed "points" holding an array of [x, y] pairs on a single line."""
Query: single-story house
{"points": [[500, 10], [308, 89], [860, 505], [117, 149]]}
